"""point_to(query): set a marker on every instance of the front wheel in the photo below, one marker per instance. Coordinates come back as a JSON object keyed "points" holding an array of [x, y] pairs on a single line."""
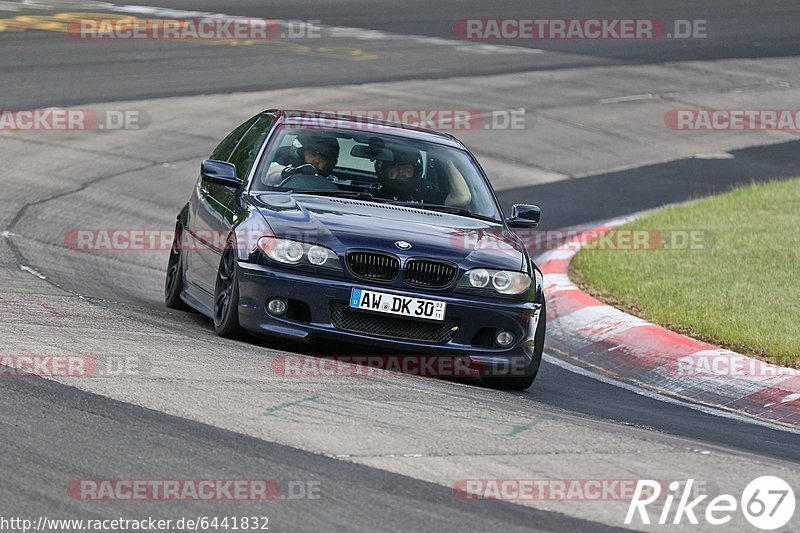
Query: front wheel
{"points": [[525, 380], [226, 297]]}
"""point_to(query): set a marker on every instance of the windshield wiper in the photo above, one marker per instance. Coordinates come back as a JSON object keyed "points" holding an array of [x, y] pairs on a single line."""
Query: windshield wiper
{"points": [[356, 195], [460, 211]]}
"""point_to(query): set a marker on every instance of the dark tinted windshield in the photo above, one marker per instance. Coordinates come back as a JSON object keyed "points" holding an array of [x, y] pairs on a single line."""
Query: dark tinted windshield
{"points": [[387, 167]]}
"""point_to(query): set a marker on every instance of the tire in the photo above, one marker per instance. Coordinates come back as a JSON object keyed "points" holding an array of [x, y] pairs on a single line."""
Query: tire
{"points": [[526, 380], [173, 284], [226, 297]]}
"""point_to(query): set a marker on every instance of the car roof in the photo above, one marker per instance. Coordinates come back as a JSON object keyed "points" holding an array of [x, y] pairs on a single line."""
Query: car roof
{"points": [[340, 121]]}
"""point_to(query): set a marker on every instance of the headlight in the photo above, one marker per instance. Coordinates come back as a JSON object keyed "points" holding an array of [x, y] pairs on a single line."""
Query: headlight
{"points": [[502, 281], [297, 253], [479, 277], [287, 252], [317, 255]]}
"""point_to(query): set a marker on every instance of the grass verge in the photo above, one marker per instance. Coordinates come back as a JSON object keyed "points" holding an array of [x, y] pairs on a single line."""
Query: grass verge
{"points": [[725, 270]]}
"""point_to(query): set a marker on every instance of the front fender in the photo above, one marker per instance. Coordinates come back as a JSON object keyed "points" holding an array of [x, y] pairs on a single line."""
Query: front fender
{"points": [[183, 216], [247, 231]]}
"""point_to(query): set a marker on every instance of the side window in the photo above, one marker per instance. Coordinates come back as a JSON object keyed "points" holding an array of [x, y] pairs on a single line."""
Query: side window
{"points": [[246, 152], [223, 151]]}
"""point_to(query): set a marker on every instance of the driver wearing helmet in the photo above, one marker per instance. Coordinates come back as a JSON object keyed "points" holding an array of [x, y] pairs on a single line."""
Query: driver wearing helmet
{"points": [[311, 153], [401, 179]]}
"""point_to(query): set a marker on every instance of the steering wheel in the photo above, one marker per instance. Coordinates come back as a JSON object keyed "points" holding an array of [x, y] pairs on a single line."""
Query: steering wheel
{"points": [[306, 181]]}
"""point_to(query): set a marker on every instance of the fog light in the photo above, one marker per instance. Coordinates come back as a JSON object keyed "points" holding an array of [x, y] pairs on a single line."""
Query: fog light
{"points": [[276, 306], [504, 339]]}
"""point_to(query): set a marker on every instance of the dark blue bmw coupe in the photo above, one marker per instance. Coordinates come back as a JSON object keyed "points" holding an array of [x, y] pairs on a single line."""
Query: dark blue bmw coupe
{"points": [[306, 225]]}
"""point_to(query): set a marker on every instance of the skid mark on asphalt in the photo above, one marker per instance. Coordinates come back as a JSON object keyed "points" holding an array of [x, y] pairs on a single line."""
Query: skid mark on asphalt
{"points": [[331, 411], [8, 231]]}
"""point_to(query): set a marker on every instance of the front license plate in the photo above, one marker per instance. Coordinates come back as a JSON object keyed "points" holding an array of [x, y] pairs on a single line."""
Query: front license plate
{"points": [[392, 304]]}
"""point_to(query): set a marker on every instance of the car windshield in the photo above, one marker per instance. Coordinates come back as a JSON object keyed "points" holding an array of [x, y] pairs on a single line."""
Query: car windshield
{"points": [[376, 167]]}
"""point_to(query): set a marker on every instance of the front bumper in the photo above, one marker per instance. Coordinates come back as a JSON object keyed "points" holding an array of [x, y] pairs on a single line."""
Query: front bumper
{"points": [[475, 318]]}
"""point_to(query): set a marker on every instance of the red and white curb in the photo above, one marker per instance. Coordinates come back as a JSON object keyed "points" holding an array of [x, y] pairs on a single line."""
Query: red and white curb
{"points": [[592, 335]]}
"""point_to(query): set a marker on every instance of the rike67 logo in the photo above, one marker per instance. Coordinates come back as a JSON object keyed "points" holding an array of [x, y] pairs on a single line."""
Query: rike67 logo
{"points": [[767, 503]]}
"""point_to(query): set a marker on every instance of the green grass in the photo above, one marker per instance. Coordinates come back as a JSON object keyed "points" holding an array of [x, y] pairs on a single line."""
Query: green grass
{"points": [[741, 290]]}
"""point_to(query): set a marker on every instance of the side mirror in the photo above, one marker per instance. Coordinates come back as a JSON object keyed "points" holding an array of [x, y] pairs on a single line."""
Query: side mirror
{"points": [[220, 172], [524, 216]]}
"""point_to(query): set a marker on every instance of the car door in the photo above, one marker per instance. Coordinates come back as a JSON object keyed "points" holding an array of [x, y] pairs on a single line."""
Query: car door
{"points": [[205, 207], [216, 218], [225, 199]]}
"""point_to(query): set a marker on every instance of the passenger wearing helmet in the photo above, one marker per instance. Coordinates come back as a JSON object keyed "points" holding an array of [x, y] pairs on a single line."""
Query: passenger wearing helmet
{"points": [[310, 154], [401, 179]]}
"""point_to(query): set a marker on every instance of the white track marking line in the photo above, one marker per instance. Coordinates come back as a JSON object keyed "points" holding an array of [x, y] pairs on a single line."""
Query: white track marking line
{"points": [[629, 98], [32, 271]]}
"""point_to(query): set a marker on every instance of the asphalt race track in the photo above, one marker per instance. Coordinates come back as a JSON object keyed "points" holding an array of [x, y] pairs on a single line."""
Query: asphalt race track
{"points": [[378, 452], [102, 71]]}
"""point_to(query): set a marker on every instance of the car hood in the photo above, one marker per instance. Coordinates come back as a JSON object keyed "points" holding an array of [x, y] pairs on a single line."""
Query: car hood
{"points": [[343, 224]]}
